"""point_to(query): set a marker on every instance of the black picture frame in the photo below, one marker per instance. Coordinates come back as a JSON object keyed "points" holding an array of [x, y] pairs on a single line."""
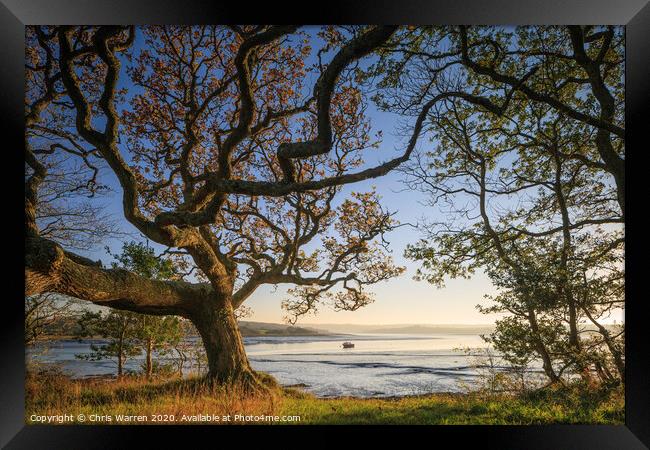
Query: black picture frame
{"points": [[635, 14]]}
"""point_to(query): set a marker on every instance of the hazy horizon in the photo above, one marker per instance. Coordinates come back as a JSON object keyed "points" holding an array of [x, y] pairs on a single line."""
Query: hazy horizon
{"points": [[382, 325]]}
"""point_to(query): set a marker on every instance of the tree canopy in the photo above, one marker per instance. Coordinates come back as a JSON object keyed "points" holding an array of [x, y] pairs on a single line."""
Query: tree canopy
{"points": [[232, 146]]}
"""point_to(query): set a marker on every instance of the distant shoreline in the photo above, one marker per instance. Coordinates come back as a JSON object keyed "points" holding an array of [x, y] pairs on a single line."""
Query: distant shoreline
{"points": [[270, 333]]}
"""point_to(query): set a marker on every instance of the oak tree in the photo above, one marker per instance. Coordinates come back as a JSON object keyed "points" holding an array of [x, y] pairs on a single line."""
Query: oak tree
{"points": [[226, 153]]}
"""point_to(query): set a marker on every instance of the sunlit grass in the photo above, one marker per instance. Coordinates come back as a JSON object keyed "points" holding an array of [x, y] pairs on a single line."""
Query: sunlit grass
{"points": [[50, 395], [574, 406]]}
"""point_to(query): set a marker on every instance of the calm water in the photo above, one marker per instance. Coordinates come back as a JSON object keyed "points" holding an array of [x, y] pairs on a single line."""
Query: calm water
{"points": [[379, 365]]}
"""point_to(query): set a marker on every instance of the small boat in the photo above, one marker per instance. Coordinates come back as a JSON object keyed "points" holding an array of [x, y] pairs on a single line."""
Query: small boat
{"points": [[348, 345]]}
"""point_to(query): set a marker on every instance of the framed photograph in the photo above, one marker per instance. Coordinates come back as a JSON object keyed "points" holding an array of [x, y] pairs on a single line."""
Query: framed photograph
{"points": [[388, 216]]}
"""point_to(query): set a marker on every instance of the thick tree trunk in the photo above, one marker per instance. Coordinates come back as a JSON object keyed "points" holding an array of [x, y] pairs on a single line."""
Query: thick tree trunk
{"points": [[48, 268], [224, 347], [209, 306]]}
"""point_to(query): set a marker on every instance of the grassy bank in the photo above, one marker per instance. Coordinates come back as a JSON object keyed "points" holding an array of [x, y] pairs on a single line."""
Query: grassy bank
{"points": [[54, 395]]}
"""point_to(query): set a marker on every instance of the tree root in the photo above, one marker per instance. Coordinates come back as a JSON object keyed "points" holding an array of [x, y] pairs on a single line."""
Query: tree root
{"points": [[245, 383]]}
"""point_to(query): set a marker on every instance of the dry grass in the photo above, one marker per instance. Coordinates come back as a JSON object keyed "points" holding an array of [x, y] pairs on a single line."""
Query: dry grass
{"points": [[50, 394]]}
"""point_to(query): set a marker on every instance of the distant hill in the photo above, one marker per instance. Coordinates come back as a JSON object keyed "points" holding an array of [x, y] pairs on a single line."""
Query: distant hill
{"points": [[66, 327], [275, 329]]}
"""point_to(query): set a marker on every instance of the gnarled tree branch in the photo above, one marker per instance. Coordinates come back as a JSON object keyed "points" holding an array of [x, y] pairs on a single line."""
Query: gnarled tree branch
{"points": [[48, 268]]}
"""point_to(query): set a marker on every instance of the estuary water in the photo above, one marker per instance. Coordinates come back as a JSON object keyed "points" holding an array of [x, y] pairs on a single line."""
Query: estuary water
{"points": [[380, 365]]}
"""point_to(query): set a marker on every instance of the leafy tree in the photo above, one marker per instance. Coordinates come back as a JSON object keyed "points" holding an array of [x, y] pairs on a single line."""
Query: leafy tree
{"points": [[527, 169], [131, 334], [159, 335], [156, 334], [525, 203], [227, 156], [140, 258], [575, 71], [529, 220], [118, 328]]}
